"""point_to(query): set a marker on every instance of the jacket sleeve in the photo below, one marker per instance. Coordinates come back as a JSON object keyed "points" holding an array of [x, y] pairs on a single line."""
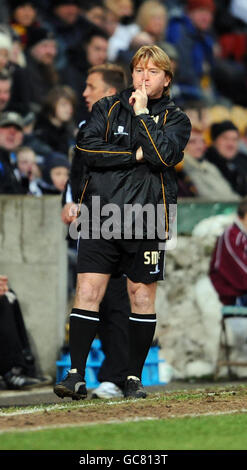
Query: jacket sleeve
{"points": [[164, 147], [94, 148]]}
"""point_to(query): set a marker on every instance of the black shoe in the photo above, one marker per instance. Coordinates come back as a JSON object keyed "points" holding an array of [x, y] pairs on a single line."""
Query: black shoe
{"points": [[134, 388], [16, 379], [72, 386]]}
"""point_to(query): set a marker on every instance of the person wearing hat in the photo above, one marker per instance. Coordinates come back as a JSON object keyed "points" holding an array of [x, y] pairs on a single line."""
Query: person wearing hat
{"points": [[16, 75], [224, 154], [11, 137], [41, 69], [208, 182], [190, 33], [55, 174]]}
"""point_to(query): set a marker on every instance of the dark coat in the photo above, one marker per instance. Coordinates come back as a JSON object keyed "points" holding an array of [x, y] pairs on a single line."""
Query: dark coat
{"points": [[108, 146], [59, 139]]}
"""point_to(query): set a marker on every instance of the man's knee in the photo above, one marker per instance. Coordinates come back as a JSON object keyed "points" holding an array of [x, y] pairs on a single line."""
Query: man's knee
{"points": [[89, 289], [142, 297]]}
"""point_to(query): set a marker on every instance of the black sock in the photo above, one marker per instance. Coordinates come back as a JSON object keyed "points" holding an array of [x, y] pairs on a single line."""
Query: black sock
{"points": [[141, 333], [83, 328]]}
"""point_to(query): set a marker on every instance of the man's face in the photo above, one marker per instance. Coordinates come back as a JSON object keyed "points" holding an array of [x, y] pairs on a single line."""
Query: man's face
{"points": [[45, 51], [25, 15], [196, 145], [97, 51], [11, 137], [26, 162], [68, 13], [202, 18], [227, 144], [64, 110], [95, 89], [5, 92], [59, 177], [155, 78]]}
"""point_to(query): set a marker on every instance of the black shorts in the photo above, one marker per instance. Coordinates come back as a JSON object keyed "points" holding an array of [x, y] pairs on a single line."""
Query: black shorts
{"points": [[140, 260]]}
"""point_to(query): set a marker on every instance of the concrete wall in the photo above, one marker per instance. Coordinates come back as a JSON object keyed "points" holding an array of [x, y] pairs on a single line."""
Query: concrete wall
{"points": [[33, 253]]}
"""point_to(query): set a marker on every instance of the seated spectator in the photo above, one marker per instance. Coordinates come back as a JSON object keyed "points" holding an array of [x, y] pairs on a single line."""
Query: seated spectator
{"points": [[27, 171], [120, 26], [228, 266], [23, 18], [69, 26], [5, 89], [92, 52], [41, 72], [19, 99], [95, 12], [40, 147], [55, 175], [17, 363], [190, 33], [205, 177], [224, 154], [54, 124], [11, 137]]}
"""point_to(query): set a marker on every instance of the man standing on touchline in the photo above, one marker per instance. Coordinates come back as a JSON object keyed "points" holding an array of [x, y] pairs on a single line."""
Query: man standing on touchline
{"points": [[130, 145]]}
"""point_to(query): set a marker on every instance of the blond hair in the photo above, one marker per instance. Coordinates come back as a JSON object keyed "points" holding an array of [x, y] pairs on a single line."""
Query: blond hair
{"points": [[159, 58], [147, 10]]}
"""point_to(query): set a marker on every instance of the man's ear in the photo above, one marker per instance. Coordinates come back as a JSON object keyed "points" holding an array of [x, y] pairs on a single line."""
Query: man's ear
{"points": [[111, 90]]}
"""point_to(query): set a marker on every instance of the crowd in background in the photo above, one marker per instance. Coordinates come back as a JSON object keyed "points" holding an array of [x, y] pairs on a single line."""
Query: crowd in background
{"points": [[47, 48]]}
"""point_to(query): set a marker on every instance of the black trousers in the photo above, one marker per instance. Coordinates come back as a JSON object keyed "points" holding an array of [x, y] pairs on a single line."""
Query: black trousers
{"points": [[14, 344], [114, 332]]}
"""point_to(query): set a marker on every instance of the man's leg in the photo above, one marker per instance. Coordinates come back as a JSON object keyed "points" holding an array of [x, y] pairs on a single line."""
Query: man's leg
{"points": [[84, 320], [114, 335], [142, 325]]}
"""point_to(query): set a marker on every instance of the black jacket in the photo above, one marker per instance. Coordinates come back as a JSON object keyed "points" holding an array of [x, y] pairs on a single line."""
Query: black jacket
{"points": [[108, 147]]}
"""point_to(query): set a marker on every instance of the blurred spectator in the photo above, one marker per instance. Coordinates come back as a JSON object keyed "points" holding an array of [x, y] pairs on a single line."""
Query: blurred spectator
{"points": [[224, 154], [95, 12], [5, 89], [23, 18], [92, 52], [41, 72], [39, 146], [27, 171], [17, 363], [69, 26], [54, 124], [120, 25], [152, 18], [190, 33], [228, 266], [55, 174], [19, 89], [205, 177], [11, 137], [230, 68]]}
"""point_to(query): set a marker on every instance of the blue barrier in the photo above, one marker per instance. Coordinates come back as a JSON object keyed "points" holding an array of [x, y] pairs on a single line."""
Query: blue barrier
{"points": [[150, 374]]}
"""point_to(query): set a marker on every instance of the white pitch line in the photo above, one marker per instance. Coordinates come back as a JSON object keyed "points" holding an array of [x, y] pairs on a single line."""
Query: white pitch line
{"points": [[66, 406]]}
